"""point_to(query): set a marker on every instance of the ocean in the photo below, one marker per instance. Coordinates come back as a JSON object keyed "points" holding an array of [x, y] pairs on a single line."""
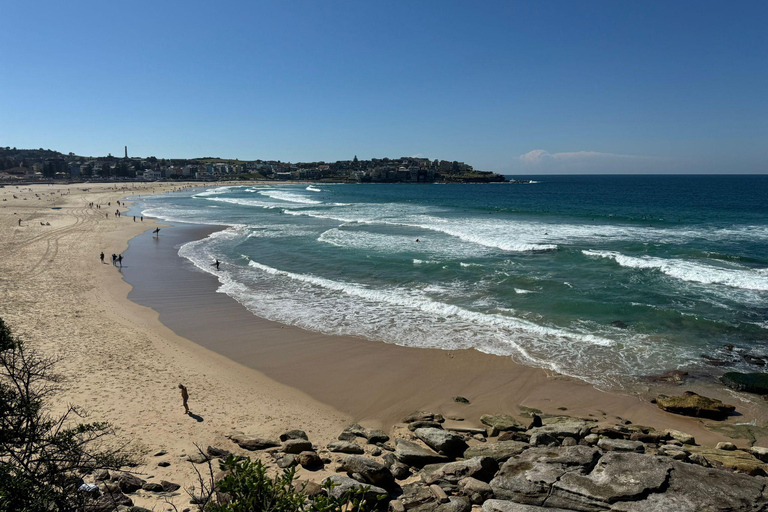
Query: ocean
{"points": [[609, 279]]}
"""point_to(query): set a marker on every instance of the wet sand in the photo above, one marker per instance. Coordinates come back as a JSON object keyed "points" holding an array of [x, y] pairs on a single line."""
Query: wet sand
{"points": [[373, 382]]}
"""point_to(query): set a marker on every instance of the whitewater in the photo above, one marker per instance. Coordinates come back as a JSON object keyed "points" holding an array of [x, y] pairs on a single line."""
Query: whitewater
{"points": [[607, 279]]}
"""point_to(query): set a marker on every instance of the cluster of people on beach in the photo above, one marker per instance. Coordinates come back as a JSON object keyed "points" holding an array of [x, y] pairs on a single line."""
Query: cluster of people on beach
{"points": [[117, 259]]}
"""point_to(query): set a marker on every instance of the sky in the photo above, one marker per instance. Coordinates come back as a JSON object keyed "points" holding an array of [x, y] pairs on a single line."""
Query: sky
{"points": [[513, 87]]}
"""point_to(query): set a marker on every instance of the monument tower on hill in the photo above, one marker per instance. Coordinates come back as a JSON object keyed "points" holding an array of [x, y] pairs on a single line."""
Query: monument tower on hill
{"points": [[126, 151]]}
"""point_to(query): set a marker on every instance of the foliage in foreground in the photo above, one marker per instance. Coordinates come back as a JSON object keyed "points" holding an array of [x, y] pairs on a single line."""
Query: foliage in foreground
{"points": [[41, 455], [248, 488]]}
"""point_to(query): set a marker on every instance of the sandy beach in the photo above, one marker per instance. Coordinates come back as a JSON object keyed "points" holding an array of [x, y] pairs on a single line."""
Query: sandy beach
{"points": [[124, 349]]}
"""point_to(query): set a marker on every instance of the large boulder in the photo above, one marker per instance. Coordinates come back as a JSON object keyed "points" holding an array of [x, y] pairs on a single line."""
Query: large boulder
{"points": [[691, 404], [500, 450], [480, 468], [692, 488], [253, 443], [342, 484], [110, 501], [294, 434], [297, 446], [510, 506], [476, 490], [371, 471], [376, 436], [130, 483], [455, 504], [418, 497], [617, 476], [501, 422], [620, 445], [736, 460], [528, 477], [309, 460], [749, 382], [420, 416], [560, 427], [423, 424], [442, 441], [413, 454], [345, 447]]}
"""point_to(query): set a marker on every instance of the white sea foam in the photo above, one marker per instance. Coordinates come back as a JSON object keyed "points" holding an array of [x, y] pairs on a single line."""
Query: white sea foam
{"points": [[689, 270], [417, 261], [290, 197], [521, 291], [313, 189]]}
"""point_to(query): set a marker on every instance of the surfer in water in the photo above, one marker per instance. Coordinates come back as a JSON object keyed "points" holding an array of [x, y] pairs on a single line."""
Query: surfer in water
{"points": [[216, 264]]}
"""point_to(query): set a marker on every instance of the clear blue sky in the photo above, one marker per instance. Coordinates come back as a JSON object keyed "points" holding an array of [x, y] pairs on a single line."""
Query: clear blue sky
{"points": [[515, 87]]}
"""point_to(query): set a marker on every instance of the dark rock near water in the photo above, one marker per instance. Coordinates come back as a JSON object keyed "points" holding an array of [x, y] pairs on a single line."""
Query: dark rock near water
{"points": [[754, 360], [749, 382], [691, 404], [412, 454], [713, 361], [619, 324], [673, 376], [442, 441], [371, 471]]}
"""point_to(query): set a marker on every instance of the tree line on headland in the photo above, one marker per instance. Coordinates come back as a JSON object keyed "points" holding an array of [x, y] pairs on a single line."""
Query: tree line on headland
{"points": [[45, 165]]}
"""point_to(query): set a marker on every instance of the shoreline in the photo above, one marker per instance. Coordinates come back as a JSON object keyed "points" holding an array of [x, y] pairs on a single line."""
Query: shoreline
{"points": [[374, 382], [122, 363]]}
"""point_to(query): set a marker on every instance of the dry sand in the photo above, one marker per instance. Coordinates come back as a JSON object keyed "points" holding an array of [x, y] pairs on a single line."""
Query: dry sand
{"points": [[123, 364]]}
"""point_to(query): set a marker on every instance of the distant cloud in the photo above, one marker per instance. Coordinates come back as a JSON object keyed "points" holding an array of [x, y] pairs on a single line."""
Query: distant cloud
{"points": [[541, 160]]}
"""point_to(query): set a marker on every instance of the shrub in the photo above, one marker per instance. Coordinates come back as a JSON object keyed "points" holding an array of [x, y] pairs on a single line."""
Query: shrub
{"points": [[42, 456], [248, 488]]}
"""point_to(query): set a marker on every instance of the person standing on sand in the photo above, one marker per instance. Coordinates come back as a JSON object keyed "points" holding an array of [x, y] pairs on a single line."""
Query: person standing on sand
{"points": [[102, 256], [120, 260], [184, 397]]}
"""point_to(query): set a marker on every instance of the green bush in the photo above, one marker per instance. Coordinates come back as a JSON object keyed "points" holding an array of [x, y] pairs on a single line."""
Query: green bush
{"points": [[42, 456], [248, 488]]}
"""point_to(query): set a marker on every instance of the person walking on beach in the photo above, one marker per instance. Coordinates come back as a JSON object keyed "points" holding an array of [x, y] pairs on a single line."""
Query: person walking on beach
{"points": [[114, 258], [184, 397], [120, 260], [102, 256], [217, 264]]}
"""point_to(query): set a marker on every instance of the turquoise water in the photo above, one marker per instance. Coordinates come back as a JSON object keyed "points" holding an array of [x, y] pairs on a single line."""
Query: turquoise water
{"points": [[542, 272]]}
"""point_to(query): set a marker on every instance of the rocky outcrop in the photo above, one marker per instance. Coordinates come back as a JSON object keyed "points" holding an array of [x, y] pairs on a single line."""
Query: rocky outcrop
{"points": [[749, 382], [415, 455], [442, 441], [345, 447], [691, 404], [368, 471], [501, 422], [343, 484], [253, 443], [500, 450], [480, 468]]}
